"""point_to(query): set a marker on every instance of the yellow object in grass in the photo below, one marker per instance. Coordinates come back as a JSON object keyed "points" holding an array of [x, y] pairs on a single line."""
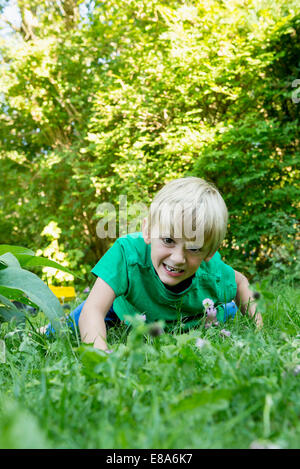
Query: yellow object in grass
{"points": [[63, 293]]}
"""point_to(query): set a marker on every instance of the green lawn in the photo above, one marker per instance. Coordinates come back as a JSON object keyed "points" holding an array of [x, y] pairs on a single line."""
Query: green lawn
{"points": [[164, 392]]}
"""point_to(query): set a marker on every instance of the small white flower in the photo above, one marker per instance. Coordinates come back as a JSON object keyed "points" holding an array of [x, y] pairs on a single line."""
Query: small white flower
{"points": [[296, 370], [200, 343], [143, 317], [42, 330], [207, 303], [211, 313], [225, 333]]}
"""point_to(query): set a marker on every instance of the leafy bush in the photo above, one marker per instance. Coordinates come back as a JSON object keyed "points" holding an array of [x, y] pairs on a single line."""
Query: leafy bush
{"points": [[254, 156], [105, 104]]}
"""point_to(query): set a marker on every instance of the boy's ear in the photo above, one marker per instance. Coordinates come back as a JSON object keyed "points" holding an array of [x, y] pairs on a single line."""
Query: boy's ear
{"points": [[208, 258], [145, 231]]}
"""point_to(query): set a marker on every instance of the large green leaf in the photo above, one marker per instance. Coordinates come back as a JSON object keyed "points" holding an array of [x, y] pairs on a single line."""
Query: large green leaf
{"points": [[33, 261], [27, 258], [9, 259], [15, 250], [8, 310], [14, 294], [36, 290]]}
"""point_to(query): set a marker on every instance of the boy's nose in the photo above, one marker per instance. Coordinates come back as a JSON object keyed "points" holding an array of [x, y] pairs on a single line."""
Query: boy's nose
{"points": [[177, 256]]}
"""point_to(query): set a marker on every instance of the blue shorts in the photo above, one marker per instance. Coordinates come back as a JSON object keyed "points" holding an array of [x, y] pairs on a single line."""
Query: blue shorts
{"points": [[111, 318], [73, 318], [230, 310]]}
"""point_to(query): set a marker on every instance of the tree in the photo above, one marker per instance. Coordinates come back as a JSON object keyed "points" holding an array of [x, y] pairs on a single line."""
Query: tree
{"points": [[132, 94]]}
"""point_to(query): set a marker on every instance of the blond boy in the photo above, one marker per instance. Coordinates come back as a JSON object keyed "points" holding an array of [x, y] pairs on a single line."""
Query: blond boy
{"points": [[167, 271]]}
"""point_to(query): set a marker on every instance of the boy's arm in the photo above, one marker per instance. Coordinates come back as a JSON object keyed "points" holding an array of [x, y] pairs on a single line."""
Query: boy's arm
{"points": [[245, 300], [92, 318]]}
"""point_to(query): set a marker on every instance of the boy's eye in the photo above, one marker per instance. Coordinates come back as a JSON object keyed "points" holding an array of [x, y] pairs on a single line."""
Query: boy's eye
{"points": [[195, 250], [168, 240]]}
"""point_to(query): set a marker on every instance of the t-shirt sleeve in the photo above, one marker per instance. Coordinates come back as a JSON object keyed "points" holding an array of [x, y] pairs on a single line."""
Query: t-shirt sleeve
{"points": [[112, 268]]}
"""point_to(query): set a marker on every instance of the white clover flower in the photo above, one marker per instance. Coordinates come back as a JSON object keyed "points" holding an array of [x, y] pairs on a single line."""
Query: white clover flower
{"points": [[211, 312], [225, 333], [200, 343], [240, 344], [207, 303]]}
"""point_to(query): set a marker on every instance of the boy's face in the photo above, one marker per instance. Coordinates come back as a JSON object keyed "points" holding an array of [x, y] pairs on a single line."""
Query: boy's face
{"points": [[176, 259]]}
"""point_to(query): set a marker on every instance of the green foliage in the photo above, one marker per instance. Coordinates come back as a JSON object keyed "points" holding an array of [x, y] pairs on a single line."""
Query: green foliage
{"points": [[258, 145], [21, 429], [158, 392], [119, 101], [100, 104]]}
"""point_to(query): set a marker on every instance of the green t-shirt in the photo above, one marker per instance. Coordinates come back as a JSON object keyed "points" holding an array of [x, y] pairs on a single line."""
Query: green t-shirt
{"points": [[127, 268]]}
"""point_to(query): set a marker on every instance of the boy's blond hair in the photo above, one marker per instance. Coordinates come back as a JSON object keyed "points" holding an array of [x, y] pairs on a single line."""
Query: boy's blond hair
{"points": [[189, 208]]}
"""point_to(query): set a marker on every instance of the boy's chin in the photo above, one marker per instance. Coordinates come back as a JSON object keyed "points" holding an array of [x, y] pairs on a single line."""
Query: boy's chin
{"points": [[171, 282]]}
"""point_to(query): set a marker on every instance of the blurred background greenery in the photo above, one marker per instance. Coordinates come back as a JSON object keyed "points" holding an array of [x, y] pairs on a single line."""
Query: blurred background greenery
{"points": [[103, 98]]}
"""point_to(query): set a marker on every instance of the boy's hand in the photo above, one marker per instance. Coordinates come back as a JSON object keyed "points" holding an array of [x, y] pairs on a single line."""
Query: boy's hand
{"points": [[259, 321], [257, 316], [244, 299]]}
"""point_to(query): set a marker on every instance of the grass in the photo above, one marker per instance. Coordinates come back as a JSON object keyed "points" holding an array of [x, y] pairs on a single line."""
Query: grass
{"points": [[160, 392]]}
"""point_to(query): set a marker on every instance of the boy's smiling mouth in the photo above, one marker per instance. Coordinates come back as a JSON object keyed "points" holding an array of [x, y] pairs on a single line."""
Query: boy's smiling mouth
{"points": [[174, 271]]}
